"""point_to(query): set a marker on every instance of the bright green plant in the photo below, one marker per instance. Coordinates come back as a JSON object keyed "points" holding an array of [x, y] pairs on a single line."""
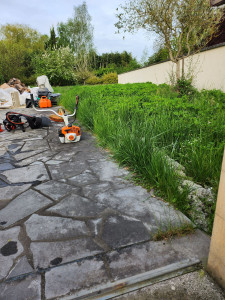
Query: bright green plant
{"points": [[110, 78], [93, 80], [58, 65]]}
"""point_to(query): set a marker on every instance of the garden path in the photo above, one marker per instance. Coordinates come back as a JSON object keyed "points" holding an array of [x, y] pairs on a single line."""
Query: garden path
{"points": [[72, 223]]}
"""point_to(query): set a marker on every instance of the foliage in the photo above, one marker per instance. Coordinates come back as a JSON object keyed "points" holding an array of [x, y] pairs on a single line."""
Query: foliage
{"points": [[110, 78], [77, 32], [18, 44], [114, 62], [52, 41], [184, 26], [161, 55], [142, 123], [57, 65], [93, 80], [185, 88]]}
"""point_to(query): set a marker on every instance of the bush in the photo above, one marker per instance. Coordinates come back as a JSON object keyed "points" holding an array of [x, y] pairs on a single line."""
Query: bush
{"points": [[58, 65], [93, 80], [185, 88], [110, 78]]}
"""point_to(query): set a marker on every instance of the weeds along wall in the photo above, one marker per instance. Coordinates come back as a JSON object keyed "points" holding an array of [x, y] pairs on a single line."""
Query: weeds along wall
{"points": [[207, 69], [144, 123]]}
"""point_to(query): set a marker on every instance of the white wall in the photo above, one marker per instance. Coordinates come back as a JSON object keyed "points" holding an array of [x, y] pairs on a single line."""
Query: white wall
{"points": [[208, 68]]}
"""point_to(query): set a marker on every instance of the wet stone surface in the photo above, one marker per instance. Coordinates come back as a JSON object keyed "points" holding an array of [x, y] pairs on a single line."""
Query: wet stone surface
{"points": [[71, 221], [10, 249]]}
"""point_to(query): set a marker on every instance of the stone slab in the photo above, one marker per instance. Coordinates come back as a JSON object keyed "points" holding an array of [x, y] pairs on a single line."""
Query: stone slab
{"points": [[141, 258], [75, 276], [27, 154], [21, 267], [107, 170], [22, 206], [136, 202], [28, 288], [10, 249], [120, 231], [34, 145], [9, 192], [44, 228], [77, 206], [50, 254], [54, 189], [65, 156], [194, 245], [43, 156], [83, 179], [6, 166], [27, 174], [13, 148], [93, 189], [67, 169]]}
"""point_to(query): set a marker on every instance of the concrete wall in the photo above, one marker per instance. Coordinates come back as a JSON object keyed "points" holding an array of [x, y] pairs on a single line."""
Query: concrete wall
{"points": [[216, 260], [208, 69]]}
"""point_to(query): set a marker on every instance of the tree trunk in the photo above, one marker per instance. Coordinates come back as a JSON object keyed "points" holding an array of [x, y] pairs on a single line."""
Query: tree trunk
{"points": [[182, 67], [178, 70]]}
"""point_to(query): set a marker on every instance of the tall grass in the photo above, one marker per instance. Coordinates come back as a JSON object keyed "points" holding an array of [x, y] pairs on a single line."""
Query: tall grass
{"points": [[142, 123]]}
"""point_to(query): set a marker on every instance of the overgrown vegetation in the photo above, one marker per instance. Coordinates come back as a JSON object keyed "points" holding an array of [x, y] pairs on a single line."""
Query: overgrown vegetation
{"points": [[143, 123]]}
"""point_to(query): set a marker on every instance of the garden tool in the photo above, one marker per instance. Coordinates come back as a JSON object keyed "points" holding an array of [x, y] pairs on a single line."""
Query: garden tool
{"points": [[69, 133]]}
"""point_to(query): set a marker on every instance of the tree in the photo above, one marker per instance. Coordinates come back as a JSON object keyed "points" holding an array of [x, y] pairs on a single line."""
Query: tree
{"points": [[77, 32], [185, 26], [160, 55], [52, 42], [18, 43]]}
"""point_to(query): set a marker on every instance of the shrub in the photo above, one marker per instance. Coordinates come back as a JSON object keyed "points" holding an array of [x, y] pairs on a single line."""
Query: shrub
{"points": [[110, 78], [58, 65], [185, 88], [93, 80]]}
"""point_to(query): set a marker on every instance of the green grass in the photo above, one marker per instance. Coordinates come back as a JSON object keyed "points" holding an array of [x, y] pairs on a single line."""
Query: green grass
{"points": [[140, 123]]}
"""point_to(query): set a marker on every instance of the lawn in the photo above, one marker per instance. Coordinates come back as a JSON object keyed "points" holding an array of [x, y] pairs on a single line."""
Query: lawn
{"points": [[143, 124]]}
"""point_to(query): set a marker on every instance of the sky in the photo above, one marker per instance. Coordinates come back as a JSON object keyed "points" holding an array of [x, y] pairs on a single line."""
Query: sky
{"points": [[43, 14]]}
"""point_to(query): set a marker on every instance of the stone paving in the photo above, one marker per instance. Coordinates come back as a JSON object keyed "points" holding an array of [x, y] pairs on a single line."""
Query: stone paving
{"points": [[71, 220]]}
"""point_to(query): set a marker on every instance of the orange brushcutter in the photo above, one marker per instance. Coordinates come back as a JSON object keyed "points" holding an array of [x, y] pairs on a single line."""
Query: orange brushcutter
{"points": [[69, 133]]}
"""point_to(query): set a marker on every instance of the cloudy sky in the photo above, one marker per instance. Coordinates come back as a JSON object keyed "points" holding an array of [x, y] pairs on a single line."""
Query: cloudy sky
{"points": [[42, 14]]}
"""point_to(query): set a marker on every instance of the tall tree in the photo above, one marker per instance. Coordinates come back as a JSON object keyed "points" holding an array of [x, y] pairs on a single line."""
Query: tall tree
{"points": [[52, 42], [185, 26], [77, 32]]}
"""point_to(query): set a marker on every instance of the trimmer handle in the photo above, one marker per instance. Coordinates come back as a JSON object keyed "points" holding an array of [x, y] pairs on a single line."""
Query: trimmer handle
{"points": [[77, 101]]}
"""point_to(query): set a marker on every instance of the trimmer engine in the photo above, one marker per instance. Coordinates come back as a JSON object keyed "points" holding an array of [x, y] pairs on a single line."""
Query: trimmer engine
{"points": [[69, 134]]}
